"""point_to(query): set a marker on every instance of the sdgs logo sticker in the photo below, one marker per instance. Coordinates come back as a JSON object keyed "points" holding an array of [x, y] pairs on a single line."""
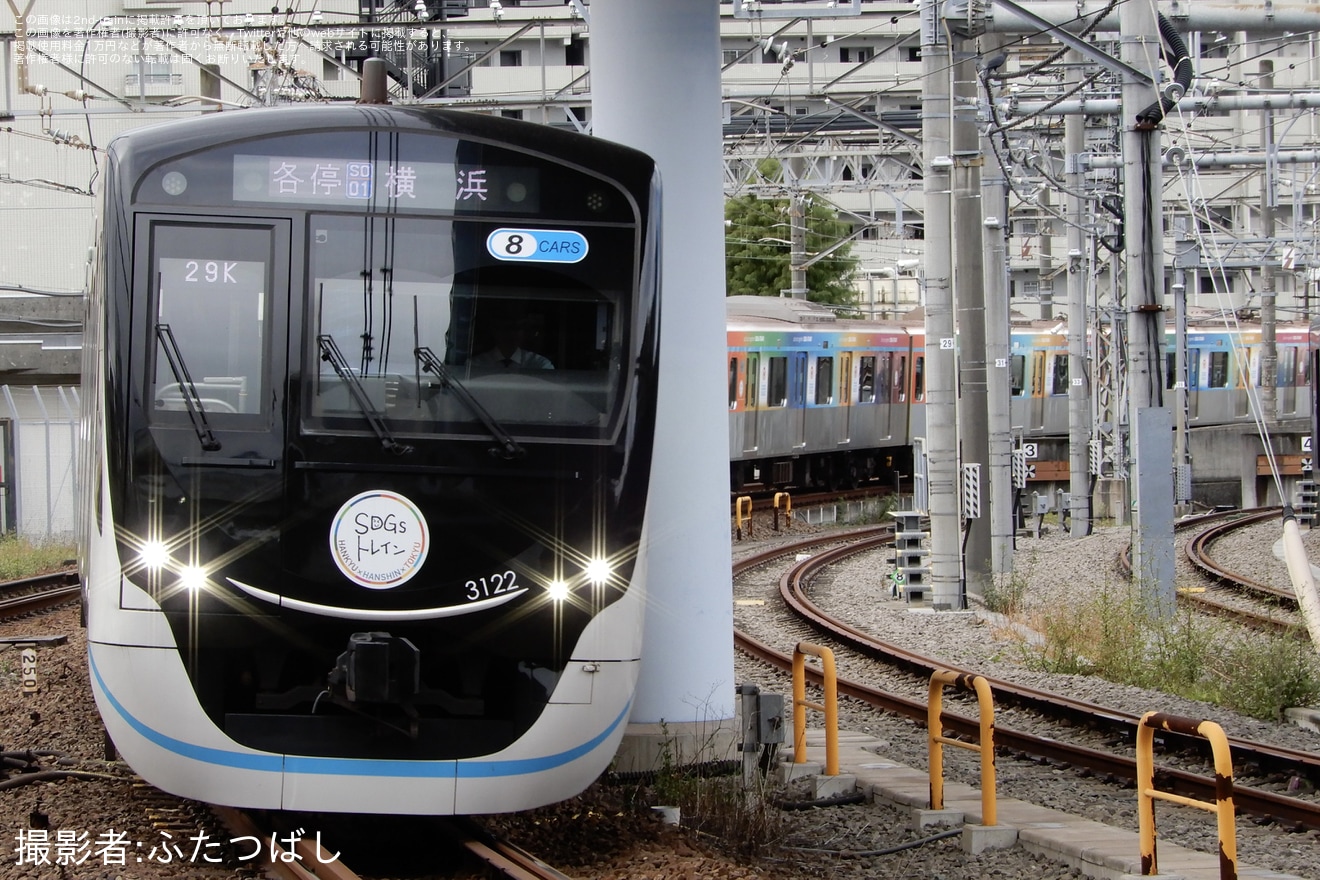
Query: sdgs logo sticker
{"points": [[379, 539]]}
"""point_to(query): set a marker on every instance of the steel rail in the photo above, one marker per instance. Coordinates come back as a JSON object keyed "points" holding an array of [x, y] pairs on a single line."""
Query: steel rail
{"points": [[1198, 553], [65, 577], [17, 606], [1259, 803], [510, 860], [1199, 558], [273, 856]]}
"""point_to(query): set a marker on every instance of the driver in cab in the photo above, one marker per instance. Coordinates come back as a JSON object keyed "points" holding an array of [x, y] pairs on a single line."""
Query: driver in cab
{"points": [[510, 332]]}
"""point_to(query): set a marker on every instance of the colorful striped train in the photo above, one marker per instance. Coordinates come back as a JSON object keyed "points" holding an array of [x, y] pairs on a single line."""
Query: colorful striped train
{"points": [[818, 401]]}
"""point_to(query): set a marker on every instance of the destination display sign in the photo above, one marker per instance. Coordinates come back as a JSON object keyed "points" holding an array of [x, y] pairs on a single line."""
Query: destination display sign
{"points": [[384, 183]]}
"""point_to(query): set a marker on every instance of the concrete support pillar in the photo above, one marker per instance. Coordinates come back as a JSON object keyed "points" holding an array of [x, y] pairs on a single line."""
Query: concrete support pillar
{"points": [[656, 86]]}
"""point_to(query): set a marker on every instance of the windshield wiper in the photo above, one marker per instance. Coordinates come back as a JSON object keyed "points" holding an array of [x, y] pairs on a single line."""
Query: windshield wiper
{"points": [[330, 352], [187, 390], [508, 447]]}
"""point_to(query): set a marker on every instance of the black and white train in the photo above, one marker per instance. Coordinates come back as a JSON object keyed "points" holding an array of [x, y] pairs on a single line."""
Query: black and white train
{"points": [[369, 415]]}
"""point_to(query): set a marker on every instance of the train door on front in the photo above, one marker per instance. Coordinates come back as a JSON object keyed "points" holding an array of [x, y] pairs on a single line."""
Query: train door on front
{"points": [[219, 305]]}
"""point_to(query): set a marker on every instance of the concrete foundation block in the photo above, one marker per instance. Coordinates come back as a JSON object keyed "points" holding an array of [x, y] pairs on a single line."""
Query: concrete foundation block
{"points": [[788, 772], [833, 786], [924, 817], [979, 838]]}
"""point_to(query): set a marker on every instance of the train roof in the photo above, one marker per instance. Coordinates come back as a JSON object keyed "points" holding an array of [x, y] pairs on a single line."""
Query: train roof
{"points": [[769, 312], [799, 312]]}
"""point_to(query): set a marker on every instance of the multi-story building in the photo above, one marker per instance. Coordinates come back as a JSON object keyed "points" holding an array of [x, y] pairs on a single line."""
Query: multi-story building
{"points": [[833, 95]]}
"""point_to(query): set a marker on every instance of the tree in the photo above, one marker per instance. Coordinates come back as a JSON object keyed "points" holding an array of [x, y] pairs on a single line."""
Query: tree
{"points": [[757, 247]]}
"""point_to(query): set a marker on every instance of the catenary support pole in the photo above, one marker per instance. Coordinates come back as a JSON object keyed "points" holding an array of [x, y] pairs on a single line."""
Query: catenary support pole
{"points": [[1079, 373], [969, 295], [1151, 445], [941, 365], [653, 63], [1269, 349], [998, 350]]}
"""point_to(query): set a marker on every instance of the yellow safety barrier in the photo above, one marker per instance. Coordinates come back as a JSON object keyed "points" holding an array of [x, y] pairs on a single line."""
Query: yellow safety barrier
{"points": [[830, 707], [788, 509], [744, 501], [1146, 791], [935, 736]]}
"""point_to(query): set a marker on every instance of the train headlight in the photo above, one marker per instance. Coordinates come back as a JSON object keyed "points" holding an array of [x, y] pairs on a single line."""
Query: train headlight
{"points": [[154, 556], [557, 590], [193, 578], [598, 571]]}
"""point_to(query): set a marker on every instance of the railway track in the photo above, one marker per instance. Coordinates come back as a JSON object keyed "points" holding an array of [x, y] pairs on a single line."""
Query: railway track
{"points": [[308, 860], [1197, 551], [33, 594], [793, 588], [303, 860]]}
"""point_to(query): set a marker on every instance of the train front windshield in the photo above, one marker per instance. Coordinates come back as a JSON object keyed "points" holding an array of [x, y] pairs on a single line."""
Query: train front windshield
{"points": [[434, 347], [487, 295]]}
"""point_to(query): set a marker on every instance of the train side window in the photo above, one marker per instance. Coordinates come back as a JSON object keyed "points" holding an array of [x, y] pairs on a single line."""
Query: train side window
{"points": [[753, 380], [1017, 371], [887, 376], [1287, 369], [1194, 368], [798, 387], [918, 378], [824, 380], [866, 380], [1218, 369], [1060, 376], [778, 391], [733, 382], [1170, 369], [213, 297], [900, 379], [1038, 374]]}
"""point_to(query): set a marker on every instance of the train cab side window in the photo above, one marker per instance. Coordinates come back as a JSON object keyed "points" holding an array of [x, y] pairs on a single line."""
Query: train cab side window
{"points": [[824, 380], [1017, 371], [212, 288], [866, 379], [778, 392]]}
